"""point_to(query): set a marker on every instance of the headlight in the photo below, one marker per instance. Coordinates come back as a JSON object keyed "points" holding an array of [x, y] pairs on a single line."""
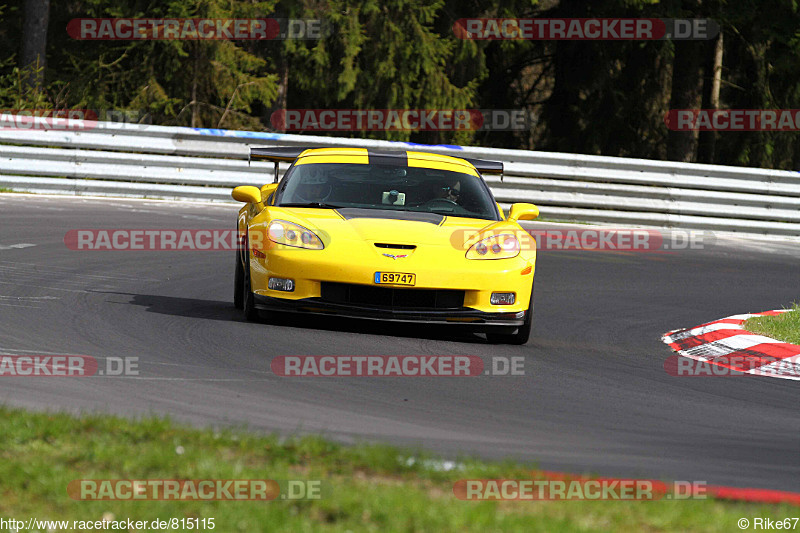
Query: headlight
{"points": [[503, 246], [290, 234]]}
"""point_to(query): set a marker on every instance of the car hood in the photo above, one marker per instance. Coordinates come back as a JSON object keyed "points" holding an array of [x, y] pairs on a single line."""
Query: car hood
{"points": [[391, 227]]}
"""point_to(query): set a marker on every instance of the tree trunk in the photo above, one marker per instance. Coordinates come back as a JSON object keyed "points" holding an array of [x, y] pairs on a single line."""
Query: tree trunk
{"points": [[195, 73], [34, 42], [708, 139], [687, 87], [283, 89]]}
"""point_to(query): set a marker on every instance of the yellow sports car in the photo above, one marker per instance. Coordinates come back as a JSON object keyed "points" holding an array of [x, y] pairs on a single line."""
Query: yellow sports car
{"points": [[389, 235]]}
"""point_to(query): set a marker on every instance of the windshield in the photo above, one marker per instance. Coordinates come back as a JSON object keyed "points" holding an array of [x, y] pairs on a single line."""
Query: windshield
{"points": [[387, 187]]}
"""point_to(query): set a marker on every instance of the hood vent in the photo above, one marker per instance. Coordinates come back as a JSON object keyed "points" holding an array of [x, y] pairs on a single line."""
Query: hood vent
{"points": [[349, 213], [396, 246]]}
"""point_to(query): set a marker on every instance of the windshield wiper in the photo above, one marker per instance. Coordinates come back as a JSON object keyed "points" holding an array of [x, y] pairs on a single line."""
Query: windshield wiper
{"points": [[321, 205]]}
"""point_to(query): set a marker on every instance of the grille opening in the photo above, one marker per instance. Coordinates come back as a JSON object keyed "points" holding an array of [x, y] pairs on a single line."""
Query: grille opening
{"points": [[388, 298], [396, 246]]}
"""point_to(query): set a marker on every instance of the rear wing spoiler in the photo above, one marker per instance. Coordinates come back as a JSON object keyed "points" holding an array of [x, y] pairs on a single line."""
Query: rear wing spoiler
{"points": [[278, 154], [486, 167]]}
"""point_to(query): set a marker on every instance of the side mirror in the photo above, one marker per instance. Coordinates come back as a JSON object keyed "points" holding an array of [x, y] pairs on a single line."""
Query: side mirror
{"points": [[267, 190], [247, 194], [523, 212]]}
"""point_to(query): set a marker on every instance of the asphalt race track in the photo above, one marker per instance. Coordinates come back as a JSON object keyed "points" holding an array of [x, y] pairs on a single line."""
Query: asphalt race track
{"points": [[594, 397]]}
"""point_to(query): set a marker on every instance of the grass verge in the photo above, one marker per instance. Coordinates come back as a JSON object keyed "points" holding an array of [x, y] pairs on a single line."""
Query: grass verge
{"points": [[365, 487], [784, 327]]}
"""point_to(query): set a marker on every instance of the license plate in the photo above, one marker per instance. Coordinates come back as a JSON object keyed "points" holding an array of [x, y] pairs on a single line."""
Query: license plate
{"points": [[396, 278]]}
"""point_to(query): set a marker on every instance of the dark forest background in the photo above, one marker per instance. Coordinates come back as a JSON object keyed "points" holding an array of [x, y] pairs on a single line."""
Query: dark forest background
{"points": [[591, 97]]}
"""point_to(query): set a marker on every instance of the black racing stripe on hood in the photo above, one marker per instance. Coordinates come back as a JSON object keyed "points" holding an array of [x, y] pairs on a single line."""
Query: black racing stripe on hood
{"points": [[387, 157], [355, 212]]}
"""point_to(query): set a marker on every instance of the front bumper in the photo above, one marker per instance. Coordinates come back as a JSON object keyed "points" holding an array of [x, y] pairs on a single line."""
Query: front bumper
{"points": [[435, 269], [462, 316]]}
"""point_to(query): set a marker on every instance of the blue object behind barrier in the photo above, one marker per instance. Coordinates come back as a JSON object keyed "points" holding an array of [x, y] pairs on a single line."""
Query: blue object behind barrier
{"points": [[236, 133], [267, 136]]}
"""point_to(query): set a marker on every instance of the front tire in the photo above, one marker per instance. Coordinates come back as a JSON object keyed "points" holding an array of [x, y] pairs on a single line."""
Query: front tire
{"points": [[248, 300], [522, 334], [238, 283]]}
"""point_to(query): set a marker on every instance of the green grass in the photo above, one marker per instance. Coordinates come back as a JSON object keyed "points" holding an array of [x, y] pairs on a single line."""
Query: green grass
{"points": [[365, 487], [784, 327]]}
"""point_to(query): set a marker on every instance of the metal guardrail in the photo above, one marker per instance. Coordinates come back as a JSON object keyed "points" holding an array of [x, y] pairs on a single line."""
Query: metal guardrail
{"points": [[109, 158]]}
